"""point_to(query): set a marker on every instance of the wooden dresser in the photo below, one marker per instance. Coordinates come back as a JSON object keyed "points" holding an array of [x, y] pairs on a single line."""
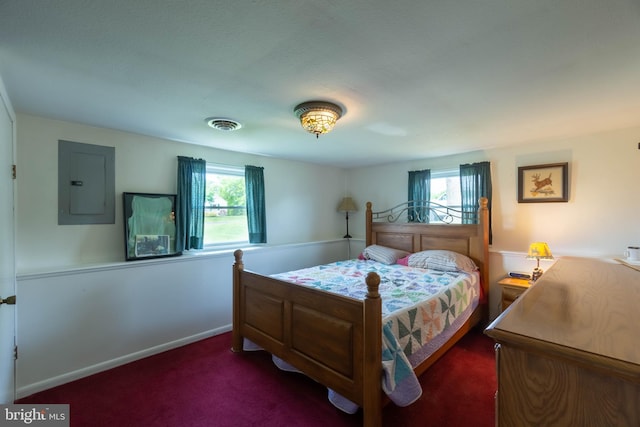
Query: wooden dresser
{"points": [[568, 350]]}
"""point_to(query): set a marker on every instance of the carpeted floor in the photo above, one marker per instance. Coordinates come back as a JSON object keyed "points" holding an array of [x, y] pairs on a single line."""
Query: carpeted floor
{"points": [[205, 384]]}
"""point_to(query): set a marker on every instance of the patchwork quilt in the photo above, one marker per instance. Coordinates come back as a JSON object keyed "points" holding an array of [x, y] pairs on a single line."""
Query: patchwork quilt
{"points": [[420, 309]]}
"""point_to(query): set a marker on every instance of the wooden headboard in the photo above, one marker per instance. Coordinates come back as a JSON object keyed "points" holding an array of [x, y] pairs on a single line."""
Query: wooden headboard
{"points": [[468, 239]]}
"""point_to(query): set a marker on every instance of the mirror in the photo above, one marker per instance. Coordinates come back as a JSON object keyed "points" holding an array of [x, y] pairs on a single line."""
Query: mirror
{"points": [[149, 225]]}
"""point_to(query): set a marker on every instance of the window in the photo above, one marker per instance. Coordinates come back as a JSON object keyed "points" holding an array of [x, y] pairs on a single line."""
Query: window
{"points": [[445, 193], [225, 214]]}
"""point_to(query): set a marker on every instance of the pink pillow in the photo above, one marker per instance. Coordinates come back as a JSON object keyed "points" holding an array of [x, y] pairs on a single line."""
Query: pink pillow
{"points": [[404, 261]]}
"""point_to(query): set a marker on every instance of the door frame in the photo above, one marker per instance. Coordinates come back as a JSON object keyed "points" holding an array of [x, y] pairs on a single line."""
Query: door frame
{"points": [[8, 388]]}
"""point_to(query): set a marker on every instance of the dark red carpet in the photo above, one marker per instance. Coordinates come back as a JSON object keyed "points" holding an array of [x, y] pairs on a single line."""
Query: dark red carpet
{"points": [[205, 384]]}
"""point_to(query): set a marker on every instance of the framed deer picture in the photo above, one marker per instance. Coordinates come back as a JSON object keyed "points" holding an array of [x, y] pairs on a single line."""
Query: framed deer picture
{"points": [[543, 183]]}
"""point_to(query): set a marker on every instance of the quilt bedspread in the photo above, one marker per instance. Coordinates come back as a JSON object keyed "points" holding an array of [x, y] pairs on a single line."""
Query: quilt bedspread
{"points": [[417, 306]]}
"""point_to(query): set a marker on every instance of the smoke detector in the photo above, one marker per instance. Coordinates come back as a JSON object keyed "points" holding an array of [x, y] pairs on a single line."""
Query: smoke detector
{"points": [[227, 125]]}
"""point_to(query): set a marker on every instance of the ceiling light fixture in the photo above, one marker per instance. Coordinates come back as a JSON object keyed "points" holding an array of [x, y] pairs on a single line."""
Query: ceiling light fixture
{"points": [[318, 116], [227, 125]]}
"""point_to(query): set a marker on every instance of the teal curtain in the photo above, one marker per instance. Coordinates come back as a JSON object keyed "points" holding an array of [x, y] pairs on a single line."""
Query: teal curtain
{"points": [[256, 212], [475, 182], [192, 177], [419, 191]]}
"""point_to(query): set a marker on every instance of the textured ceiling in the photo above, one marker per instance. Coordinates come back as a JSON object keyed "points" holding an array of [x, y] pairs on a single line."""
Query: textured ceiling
{"points": [[416, 78]]}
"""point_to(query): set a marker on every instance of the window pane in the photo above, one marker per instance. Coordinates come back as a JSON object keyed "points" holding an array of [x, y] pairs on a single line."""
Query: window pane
{"points": [[445, 191], [225, 218]]}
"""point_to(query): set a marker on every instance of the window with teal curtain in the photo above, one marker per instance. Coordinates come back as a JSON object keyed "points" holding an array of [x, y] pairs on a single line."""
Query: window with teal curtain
{"points": [[256, 212], [419, 191], [475, 182], [192, 176]]}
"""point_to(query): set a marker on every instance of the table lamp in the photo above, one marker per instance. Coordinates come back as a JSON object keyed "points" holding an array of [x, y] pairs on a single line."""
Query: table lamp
{"points": [[538, 251]]}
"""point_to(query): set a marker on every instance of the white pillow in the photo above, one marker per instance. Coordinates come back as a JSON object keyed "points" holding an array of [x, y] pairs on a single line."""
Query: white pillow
{"points": [[442, 260], [383, 254]]}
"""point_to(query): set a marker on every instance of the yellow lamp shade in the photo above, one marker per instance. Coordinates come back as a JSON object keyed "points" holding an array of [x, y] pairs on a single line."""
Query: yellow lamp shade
{"points": [[539, 250]]}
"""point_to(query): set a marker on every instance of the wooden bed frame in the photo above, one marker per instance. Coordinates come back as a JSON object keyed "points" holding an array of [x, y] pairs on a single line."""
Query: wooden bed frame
{"points": [[337, 340]]}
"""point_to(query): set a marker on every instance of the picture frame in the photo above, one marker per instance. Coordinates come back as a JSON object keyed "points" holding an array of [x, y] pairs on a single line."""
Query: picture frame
{"points": [[543, 183], [151, 245], [149, 225]]}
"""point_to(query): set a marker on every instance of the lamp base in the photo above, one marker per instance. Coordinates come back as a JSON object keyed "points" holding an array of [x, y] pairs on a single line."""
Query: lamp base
{"points": [[537, 272], [346, 236]]}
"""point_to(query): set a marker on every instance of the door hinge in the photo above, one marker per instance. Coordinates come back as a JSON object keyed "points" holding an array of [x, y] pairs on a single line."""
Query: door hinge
{"points": [[14, 171], [15, 352]]}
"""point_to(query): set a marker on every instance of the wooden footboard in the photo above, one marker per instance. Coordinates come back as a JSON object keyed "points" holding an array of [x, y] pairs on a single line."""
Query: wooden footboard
{"points": [[333, 339]]}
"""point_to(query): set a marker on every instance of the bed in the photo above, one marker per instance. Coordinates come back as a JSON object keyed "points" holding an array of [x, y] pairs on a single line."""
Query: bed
{"points": [[337, 340]]}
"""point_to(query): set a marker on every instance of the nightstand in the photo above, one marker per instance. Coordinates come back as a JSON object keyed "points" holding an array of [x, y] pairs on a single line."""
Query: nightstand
{"points": [[512, 288]]}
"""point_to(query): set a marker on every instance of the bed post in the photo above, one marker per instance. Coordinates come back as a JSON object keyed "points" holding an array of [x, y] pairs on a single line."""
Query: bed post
{"points": [[372, 364], [238, 267], [369, 220], [483, 241]]}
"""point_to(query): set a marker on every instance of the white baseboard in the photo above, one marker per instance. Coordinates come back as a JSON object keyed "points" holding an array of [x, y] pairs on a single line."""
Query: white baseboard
{"points": [[30, 389]]}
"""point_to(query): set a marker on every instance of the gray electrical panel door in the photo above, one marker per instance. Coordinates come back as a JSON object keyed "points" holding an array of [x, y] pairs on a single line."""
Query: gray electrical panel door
{"points": [[86, 183]]}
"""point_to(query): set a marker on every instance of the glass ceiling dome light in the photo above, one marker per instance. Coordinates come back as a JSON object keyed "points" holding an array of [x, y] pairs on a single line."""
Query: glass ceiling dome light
{"points": [[318, 116]]}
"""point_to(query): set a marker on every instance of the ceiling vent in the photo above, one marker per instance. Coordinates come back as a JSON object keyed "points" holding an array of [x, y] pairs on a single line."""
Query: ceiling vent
{"points": [[227, 125]]}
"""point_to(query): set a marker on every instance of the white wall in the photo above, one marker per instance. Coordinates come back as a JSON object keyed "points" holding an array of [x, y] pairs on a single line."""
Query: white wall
{"points": [[600, 219], [83, 309], [145, 164], [76, 322]]}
